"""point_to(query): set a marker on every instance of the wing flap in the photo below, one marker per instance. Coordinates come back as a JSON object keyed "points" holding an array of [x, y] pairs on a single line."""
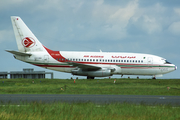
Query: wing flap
{"points": [[18, 53]]}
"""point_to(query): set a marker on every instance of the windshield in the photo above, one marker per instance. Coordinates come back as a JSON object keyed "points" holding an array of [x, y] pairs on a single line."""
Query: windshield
{"points": [[166, 62]]}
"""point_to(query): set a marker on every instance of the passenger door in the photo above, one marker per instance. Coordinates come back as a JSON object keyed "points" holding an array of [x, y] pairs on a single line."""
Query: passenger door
{"points": [[150, 61]]}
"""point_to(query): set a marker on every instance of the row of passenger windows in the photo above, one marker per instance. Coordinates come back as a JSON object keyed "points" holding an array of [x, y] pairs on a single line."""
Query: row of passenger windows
{"points": [[101, 60]]}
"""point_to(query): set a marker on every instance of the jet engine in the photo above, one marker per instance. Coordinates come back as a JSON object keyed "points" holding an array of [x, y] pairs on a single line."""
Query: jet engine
{"points": [[93, 73]]}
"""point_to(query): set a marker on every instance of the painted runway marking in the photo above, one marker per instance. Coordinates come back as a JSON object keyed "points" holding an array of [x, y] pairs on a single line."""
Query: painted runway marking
{"points": [[162, 98]]}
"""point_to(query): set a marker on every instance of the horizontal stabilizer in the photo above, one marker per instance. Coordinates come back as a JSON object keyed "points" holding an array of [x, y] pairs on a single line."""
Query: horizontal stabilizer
{"points": [[19, 53]]}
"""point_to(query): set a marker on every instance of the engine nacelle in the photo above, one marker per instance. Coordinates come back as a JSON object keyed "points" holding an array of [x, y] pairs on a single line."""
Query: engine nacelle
{"points": [[95, 73]]}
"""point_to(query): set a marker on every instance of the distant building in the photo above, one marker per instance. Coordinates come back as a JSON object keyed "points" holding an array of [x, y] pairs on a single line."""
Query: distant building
{"points": [[3, 75], [26, 73]]}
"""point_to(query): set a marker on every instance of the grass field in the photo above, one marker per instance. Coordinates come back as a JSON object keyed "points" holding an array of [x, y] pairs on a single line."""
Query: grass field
{"points": [[89, 111], [100, 86]]}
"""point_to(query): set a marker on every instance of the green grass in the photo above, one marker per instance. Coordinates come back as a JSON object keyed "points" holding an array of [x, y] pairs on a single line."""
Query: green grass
{"points": [[87, 111], [100, 86]]}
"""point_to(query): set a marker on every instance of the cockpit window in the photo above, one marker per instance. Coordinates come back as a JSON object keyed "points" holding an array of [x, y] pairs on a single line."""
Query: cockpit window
{"points": [[166, 62]]}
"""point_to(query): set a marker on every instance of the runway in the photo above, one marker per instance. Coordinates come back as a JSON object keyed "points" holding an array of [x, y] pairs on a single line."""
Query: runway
{"points": [[50, 98]]}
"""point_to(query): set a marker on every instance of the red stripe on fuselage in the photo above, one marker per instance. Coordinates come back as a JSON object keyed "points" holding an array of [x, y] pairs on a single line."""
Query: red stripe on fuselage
{"points": [[55, 54], [58, 57]]}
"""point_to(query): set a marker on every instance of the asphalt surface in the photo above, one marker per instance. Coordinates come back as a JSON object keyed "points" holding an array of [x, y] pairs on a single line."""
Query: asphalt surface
{"points": [[50, 98]]}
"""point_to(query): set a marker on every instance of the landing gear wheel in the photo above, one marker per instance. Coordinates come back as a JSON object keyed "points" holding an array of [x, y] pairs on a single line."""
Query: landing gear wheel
{"points": [[88, 77]]}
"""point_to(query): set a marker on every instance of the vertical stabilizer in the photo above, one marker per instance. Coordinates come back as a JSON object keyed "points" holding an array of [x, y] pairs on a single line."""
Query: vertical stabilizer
{"points": [[26, 40]]}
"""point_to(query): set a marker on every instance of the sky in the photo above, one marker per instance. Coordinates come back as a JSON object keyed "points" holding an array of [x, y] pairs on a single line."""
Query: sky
{"points": [[138, 26]]}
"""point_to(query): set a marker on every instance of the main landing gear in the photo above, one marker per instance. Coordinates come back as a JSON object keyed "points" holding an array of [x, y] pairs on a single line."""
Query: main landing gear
{"points": [[88, 77], [154, 77]]}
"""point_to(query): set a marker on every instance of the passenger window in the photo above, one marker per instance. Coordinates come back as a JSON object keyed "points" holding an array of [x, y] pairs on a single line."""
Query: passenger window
{"points": [[130, 60], [121, 60], [81, 59], [59, 59], [133, 60], [56, 58], [124, 60], [136, 61], [96, 60], [105, 60], [93, 59], [87, 59], [113, 60], [127, 60], [108, 60], [90, 59], [84, 59], [141, 61]]}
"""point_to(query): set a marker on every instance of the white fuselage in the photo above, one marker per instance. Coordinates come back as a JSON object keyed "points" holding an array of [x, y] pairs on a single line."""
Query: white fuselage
{"points": [[122, 63]]}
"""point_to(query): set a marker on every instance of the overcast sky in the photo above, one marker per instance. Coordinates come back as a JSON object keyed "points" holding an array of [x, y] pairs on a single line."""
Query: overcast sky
{"points": [[138, 26]]}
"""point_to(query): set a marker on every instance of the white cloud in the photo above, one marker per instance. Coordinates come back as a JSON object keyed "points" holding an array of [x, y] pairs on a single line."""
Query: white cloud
{"points": [[174, 28], [111, 20], [151, 25], [59, 5], [99, 2], [49, 4], [5, 4], [148, 20], [177, 10], [122, 15], [158, 8]]}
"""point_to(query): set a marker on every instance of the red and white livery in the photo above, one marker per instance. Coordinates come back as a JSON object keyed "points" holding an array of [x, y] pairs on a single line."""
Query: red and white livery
{"points": [[90, 64]]}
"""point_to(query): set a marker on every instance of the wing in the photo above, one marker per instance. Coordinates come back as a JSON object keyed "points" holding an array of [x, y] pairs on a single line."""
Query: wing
{"points": [[84, 66]]}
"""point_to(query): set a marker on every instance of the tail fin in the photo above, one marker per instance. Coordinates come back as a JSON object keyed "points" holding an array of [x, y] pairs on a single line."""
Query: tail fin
{"points": [[26, 40]]}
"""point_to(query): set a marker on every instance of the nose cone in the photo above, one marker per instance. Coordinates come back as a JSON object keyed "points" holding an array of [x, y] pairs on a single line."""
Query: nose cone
{"points": [[173, 68]]}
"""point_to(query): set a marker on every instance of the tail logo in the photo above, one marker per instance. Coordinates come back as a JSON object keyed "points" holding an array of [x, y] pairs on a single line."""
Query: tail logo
{"points": [[28, 42]]}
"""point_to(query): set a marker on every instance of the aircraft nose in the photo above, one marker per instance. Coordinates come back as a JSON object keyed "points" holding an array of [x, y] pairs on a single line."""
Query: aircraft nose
{"points": [[175, 67]]}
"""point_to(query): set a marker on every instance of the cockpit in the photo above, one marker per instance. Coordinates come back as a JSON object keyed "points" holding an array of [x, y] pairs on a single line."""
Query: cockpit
{"points": [[167, 62], [170, 65]]}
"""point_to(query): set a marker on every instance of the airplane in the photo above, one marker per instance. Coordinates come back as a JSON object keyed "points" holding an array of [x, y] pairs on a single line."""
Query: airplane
{"points": [[90, 64]]}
